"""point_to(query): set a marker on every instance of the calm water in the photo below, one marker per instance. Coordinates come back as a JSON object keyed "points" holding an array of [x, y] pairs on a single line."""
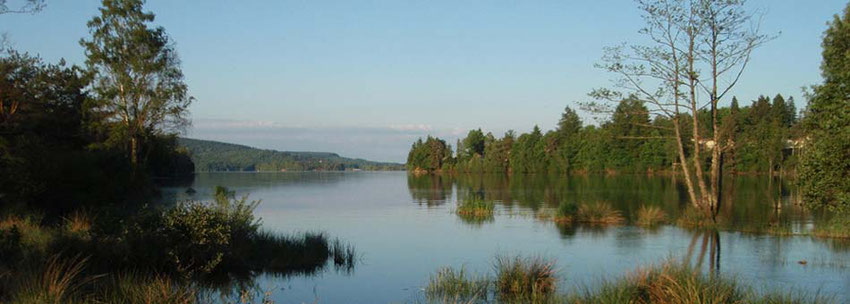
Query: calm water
{"points": [[404, 229]]}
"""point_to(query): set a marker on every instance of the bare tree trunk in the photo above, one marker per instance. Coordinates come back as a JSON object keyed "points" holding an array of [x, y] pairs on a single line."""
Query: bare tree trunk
{"points": [[683, 162], [697, 158]]}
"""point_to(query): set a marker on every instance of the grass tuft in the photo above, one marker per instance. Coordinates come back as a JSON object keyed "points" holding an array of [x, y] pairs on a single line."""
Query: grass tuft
{"points": [[475, 208], [599, 213], [650, 216], [449, 285], [521, 279]]}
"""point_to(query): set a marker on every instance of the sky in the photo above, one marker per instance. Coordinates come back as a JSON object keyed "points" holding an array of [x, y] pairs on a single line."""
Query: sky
{"points": [[366, 78]]}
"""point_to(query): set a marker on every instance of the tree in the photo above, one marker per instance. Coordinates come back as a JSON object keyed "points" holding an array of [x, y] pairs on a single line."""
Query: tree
{"points": [[29, 6], [686, 38], [474, 143], [825, 164], [569, 125], [138, 82]]}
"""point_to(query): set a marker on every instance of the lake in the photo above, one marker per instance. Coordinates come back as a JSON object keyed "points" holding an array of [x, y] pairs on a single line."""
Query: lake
{"points": [[404, 228]]}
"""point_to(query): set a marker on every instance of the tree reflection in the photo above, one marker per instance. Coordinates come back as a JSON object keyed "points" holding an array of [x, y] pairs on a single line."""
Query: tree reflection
{"points": [[709, 242]]}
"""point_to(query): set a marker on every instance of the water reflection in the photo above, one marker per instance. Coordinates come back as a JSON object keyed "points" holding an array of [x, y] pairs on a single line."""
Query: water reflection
{"points": [[709, 242], [753, 203]]}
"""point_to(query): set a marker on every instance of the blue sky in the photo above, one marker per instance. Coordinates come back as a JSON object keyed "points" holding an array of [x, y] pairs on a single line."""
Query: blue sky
{"points": [[365, 78]]}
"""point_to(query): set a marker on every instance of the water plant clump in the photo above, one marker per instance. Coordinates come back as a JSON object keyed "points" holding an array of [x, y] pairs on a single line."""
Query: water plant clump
{"points": [[650, 216], [449, 285], [524, 279], [566, 212], [599, 213], [475, 208]]}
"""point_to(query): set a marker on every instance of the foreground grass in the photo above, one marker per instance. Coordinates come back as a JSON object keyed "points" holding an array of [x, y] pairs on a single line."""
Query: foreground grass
{"points": [[175, 255], [535, 280]]}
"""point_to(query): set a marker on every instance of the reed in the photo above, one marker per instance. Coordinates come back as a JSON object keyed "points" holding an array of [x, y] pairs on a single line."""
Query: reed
{"points": [[650, 216], [521, 279], [599, 213]]}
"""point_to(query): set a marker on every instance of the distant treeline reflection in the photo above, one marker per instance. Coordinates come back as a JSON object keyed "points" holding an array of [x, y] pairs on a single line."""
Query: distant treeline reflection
{"points": [[749, 200]]}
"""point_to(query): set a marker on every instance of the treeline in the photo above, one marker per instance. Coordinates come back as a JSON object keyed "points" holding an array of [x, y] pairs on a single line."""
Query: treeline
{"points": [[761, 139], [212, 156], [57, 149]]}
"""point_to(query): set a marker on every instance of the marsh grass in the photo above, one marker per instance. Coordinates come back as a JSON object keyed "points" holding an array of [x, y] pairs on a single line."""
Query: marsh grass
{"points": [[524, 279], [133, 287], [695, 218], [566, 212], [650, 216], [57, 281], [449, 285], [600, 213], [475, 208], [79, 221], [836, 227], [674, 283], [171, 254]]}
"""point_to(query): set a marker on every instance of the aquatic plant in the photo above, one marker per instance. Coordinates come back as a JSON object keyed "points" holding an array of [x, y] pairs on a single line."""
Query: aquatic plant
{"points": [[474, 207], [695, 218], [599, 213], [524, 279], [566, 212], [838, 226], [673, 282], [649, 216], [449, 285]]}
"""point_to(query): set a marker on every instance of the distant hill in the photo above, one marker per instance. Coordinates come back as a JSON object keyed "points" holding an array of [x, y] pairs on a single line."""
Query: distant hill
{"points": [[211, 156]]}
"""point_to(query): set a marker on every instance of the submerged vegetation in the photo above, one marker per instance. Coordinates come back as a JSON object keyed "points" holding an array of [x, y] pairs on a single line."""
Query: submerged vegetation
{"points": [[524, 280]]}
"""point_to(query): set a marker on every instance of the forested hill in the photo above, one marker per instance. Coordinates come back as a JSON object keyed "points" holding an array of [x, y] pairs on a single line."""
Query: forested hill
{"points": [[218, 156]]}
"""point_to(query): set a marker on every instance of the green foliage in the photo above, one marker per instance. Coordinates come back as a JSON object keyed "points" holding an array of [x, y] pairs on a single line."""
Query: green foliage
{"points": [[825, 164], [431, 155], [754, 139], [449, 285], [566, 212], [211, 156], [138, 84]]}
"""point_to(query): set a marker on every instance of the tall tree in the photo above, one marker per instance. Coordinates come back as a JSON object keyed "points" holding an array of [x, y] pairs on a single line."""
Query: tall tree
{"points": [[138, 81], [825, 163], [695, 47]]}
